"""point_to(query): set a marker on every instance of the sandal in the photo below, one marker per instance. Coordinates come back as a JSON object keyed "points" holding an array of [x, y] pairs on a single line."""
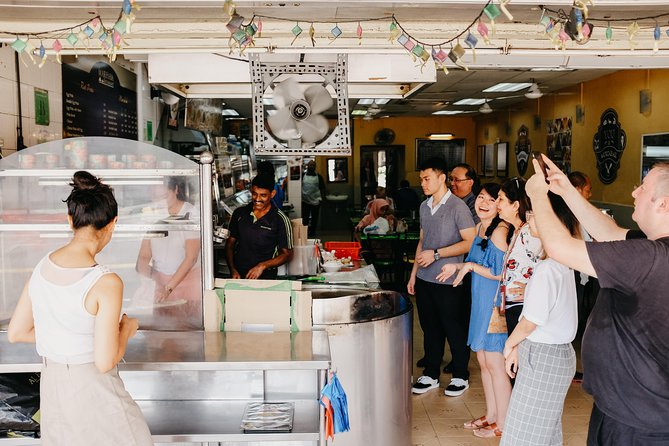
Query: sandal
{"points": [[477, 423], [490, 431]]}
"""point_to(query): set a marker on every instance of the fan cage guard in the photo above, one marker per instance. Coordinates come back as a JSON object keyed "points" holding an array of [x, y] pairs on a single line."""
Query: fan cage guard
{"points": [[263, 75]]}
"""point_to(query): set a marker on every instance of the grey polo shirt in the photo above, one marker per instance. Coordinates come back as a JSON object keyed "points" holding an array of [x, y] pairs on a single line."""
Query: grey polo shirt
{"points": [[443, 229]]}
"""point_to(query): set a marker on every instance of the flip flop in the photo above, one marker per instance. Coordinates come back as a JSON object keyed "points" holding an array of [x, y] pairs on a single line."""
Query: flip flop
{"points": [[477, 423], [491, 431]]}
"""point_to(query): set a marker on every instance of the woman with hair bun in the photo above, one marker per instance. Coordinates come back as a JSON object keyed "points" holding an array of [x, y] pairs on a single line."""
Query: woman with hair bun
{"points": [[71, 309]]}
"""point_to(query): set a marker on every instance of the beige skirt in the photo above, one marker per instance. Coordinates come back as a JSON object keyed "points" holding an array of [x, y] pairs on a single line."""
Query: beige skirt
{"points": [[82, 407]]}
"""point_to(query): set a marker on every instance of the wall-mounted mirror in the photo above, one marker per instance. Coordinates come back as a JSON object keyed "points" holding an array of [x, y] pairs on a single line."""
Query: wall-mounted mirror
{"points": [[337, 170]]}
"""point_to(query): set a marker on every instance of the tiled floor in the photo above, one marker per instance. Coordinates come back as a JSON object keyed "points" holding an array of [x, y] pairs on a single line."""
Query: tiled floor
{"points": [[438, 419]]}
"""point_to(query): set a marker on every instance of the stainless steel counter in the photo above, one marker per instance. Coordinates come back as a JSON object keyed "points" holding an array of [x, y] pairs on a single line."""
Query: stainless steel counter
{"points": [[194, 386], [196, 350]]}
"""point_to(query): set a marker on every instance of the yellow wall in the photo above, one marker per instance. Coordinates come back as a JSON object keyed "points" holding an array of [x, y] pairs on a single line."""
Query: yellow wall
{"points": [[406, 130], [619, 91]]}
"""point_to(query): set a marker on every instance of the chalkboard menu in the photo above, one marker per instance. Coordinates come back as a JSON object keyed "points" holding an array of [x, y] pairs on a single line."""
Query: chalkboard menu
{"points": [[451, 150], [96, 104]]}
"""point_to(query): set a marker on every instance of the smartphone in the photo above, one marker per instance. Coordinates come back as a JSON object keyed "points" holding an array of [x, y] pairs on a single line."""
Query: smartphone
{"points": [[537, 156]]}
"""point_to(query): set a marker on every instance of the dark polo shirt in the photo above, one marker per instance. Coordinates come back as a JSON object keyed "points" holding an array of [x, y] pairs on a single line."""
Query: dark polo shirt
{"points": [[259, 240]]}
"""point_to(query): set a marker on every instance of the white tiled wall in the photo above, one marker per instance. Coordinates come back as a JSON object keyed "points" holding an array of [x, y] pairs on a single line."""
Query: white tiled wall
{"points": [[48, 78]]}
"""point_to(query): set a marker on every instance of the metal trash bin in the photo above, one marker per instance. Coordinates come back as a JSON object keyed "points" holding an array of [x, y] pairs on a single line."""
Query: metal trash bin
{"points": [[371, 344]]}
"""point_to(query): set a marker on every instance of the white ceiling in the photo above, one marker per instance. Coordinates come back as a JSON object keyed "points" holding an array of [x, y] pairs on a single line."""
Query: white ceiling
{"points": [[198, 27]]}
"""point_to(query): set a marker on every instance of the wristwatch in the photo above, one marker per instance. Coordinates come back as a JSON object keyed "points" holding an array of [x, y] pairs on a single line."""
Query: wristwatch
{"points": [[436, 255]]}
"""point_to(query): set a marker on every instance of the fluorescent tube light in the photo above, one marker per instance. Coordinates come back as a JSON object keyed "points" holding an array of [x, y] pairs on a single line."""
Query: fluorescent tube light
{"points": [[469, 101], [507, 87], [440, 136]]}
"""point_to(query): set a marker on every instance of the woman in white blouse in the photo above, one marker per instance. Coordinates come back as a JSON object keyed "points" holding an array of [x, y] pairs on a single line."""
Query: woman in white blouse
{"points": [[524, 249]]}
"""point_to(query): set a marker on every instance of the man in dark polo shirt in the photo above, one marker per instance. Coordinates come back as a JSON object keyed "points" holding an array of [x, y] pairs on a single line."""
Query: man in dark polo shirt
{"points": [[625, 348], [261, 236]]}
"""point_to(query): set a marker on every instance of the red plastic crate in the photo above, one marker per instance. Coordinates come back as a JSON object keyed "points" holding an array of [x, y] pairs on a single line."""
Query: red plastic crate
{"points": [[344, 249]]}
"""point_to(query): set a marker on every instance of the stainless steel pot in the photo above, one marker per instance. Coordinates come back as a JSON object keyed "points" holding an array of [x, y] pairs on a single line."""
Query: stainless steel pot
{"points": [[370, 335]]}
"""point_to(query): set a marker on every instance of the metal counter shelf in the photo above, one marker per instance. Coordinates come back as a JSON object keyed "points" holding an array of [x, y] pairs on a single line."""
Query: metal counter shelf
{"points": [[196, 350], [220, 421], [165, 372]]}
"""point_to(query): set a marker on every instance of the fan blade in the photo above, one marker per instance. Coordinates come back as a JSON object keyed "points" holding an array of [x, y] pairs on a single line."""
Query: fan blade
{"points": [[287, 92], [282, 125], [314, 128], [319, 98]]}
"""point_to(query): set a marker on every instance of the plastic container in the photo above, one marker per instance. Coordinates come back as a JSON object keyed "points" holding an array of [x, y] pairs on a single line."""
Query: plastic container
{"points": [[304, 261], [344, 249]]}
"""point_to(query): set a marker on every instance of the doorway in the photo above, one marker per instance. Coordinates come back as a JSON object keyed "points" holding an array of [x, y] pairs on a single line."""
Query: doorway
{"points": [[380, 166]]}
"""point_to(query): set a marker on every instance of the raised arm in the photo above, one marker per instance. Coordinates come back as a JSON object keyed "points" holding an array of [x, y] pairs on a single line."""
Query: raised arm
{"points": [[600, 226], [555, 238]]}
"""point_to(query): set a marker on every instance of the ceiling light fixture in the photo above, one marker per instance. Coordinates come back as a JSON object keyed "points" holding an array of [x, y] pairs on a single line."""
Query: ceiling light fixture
{"points": [[469, 101], [440, 136], [505, 87], [534, 92], [448, 112], [485, 108]]}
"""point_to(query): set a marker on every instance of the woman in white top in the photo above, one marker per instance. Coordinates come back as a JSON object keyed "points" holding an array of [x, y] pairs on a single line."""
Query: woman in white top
{"points": [[71, 308], [539, 350], [173, 263]]}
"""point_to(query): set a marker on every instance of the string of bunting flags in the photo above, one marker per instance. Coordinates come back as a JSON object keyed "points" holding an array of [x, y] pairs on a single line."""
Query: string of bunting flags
{"points": [[559, 27], [80, 36]]}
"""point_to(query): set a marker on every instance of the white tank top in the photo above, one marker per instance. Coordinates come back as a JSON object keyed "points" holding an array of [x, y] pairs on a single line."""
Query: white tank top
{"points": [[63, 328]]}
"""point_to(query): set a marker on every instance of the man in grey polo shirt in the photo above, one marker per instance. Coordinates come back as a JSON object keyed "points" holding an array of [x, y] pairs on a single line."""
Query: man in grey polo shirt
{"points": [[446, 234]]}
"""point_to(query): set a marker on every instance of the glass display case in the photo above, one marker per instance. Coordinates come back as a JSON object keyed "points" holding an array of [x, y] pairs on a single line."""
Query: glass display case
{"points": [[155, 231]]}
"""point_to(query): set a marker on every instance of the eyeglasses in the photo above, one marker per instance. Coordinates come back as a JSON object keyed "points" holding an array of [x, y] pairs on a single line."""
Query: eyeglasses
{"points": [[457, 180]]}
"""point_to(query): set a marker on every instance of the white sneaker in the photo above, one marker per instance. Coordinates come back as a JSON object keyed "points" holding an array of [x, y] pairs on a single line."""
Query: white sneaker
{"points": [[425, 383], [457, 387]]}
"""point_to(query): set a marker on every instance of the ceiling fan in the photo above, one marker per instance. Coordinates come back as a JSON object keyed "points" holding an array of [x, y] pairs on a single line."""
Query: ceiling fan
{"points": [[485, 108], [535, 92]]}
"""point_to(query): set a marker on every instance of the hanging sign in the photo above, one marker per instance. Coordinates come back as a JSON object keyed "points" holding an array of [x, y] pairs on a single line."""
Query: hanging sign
{"points": [[523, 149], [609, 143]]}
